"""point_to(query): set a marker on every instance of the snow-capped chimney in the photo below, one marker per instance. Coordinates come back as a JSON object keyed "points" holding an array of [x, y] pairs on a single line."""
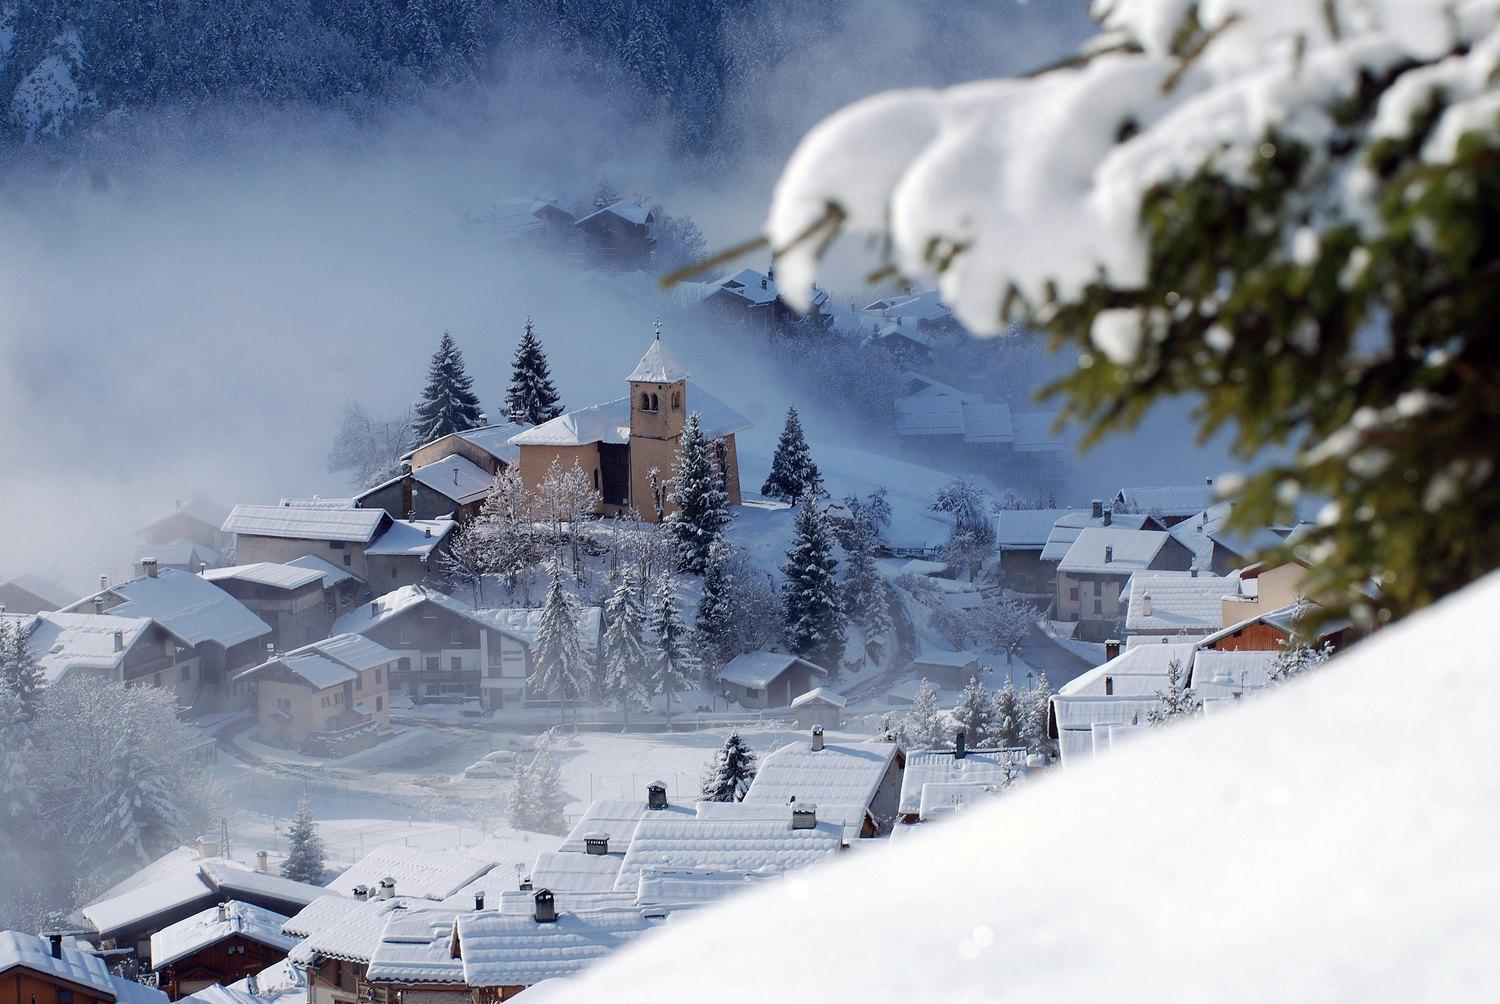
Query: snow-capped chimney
{"points": [[484, 421], [1146, 605], [1108, 517], [223, 912], [804, 816], [427, 531], [208, 847], [479, 900], [387, 888], [98, 604], [455, 475], [1209, 481], [596, 843], [656, 795], [361, 893], [959, 750], [150, 566], [546, 907], [55, 939], [119, 641], [263, 862], [270, 650], [1109, 686], [525, 885], [1109, 553], [817, 734], [1096, 508], [1111, 649], [103, 582]]}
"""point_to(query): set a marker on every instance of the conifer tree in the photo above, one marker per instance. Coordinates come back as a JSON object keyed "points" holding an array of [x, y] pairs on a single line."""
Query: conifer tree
{"points": [[729, 773], [531, 397], [974, 712], [1036, 705], [19, 673], [926, 726], [1007, 718], [1176, 700], [547, 799], [698, 492], [626, 663], [17, 791], [1297, 658], [448, 403], [814, 614], [865, 600], [519, 804], [713, 625], [562, 665], [793, 473], [674, 667], [304, 856]]}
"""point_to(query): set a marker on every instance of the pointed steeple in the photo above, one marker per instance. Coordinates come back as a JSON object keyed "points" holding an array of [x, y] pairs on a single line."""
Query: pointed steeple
{"points": [[656, 366]]}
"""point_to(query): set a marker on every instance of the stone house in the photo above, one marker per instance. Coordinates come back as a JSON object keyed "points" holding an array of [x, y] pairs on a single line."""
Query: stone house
{"points": [[327, 698], [290, 598], [281, 533], [619, 443], [752, 298], [408, 552], [1096, 569], [1020, 536]]}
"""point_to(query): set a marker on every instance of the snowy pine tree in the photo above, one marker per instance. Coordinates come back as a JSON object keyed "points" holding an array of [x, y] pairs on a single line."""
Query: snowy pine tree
{"points": [[561, 664], [673, 666], [713, 625], [304, 856], [729, 773], [531, 397], [1297, 658], [1007, 718], [793, 473], [811, 598], [864, 590], [547, 799], [519, 804], [925, 726], [448, 403], [17, 791], [1176, 700], [702, 504], [1034, 725], [974, 712], [19, 673], [625, 661]]}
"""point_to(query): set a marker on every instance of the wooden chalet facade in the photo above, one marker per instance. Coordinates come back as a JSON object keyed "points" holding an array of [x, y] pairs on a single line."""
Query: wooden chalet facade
{"points": [[53, 970], [222, 945]]}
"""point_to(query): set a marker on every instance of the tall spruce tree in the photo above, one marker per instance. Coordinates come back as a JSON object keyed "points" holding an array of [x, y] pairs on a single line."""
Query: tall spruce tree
{"points": [[728, 775], [793, 473], [626, 664], [813, 609], [674, 668], [925, 726], [864, 590], [713, 625], [531, 397], [19, 673], [1007, 718], [698, 492], [519, 803], [304, 856], [561, 665], [448, 403], [547, 798], [974, 712]]}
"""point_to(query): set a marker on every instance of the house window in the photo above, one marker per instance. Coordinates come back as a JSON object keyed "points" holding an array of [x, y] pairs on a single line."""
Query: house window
{"points": [[1073, 593], [348, 560], [282, 704], [64, 996], [676, 400], [433, 665], [456, 636], [335, 545], [187, 672], [379, 703], [1098, 606], [380, 674], [405, 664], [456, 664], [596, 479]]}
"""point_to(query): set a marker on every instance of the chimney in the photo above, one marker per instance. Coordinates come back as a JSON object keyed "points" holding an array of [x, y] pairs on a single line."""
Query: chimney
{"points": [[387, 888], [263, 862], [959, 752], [1111, 649], [1109, 553], [1209, 481], [804, 816], [119, 641], [1146, 605], [56, 939], [455, 475], [208, 847], [1109, 686], [656, 795], [149, 564], [103, 582], [202, 567], [546, 907], [1097, 508], [427, 531], [479, 900], [762, 282], [1109, 517], [484, 421], [270, 650], [223, 912], [817, 734], [361, 892], [525, 885], [596, 843], [98, 604]]}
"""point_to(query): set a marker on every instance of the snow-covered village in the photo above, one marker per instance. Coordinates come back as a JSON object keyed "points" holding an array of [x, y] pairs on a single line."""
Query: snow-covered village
{"points": [[850, 500]]}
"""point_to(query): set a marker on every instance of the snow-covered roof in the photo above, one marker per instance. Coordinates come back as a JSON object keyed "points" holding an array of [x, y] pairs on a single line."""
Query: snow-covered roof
{"points": [[41, 588], [77, 966], [400, 601], [416, 948], [199, 508], [495, 440], [1135, 671], [329, 662], [1173, 500], [343, 928], [747, 284], [525, 623], [210, 926], [332, 574], [1025, 529], [1067, 528], [456, 477], [266, 573], [683, 888], [64, 642], [1225, 675], [130, 909], [610, 422], [306, 522], [1033, 432], [237, 880], [577, 872], [922, 566], [1288, 619], [617, 817], [946, 798], [987, 422], [656, 366], [821, 694], [190, 607], [279, 983], [1178, 602], [929, 416], [727, 837], [981, 766], [1131, 551], [506, 950], [841, 780], [630, 212], [412, 537], [756, 670], [924, 306], [419, 873], [179, 553]]}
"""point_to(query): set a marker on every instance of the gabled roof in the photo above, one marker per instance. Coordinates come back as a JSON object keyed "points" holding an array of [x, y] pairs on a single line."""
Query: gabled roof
{"points": [[419, 873], [182, 553], [1068, 527], [610, 422], [506, 950], [495, 440], [840, 779], [77, 966], [1225, 675], [342, 928], [41, 588], [617, 817], [1139, 671], [631, 212], [306, 522], [266, 573], [455, 477], [945, 659], [576, 872], [199, 508], [1025, 529], [981, 766], [821, 694], [327, 663], [727, 837], [656, 366], [129, 909], [332, 574], [415, 947], [64, 642], [1287, 619], [947, 798], [1131, 550], [756, 670], [1173, 500], [1179, 602], [412, 537], [519, 625], [190, 607], [209, 927]]}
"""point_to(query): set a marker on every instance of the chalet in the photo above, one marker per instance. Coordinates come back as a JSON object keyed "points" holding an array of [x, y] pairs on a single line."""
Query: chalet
{"points": [[819, 708], [768, 679], [618, 444], [752, 298], [290, 598], [280, 533], [1020, 536], [934, 419], [414, 959], [338, 938], [31, 594], [58, 970], [1275, 630], [1175, 605], [220, 630], [542, 222], [991, 770], [589, 858], [327, 698], [186, 537], [1119, 695], [449, 487], [444, 649], [1263, 588], [221, 944], [618, 237], [1171, 505], [1067, 528], [408, 552], [1216, 547], [1093, 573], [1230, 675], [136, 651], [948, 670], [858, 783]]}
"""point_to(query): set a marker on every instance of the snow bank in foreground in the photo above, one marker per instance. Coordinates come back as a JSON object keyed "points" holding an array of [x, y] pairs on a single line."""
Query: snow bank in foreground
{"points": [[1334, 840]]}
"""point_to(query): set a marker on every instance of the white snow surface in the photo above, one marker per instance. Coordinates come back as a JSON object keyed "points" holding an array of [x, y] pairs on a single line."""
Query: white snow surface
{"points": [[190, 607], [208, 927], [1337, 871]]}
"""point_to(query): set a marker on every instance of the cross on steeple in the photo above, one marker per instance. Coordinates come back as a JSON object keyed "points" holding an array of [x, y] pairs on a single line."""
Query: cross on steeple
{"points": [[656, 326]]}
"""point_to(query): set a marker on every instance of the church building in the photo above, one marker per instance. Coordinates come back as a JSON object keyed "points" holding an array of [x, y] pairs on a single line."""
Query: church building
{"points": [[620, 442]]}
